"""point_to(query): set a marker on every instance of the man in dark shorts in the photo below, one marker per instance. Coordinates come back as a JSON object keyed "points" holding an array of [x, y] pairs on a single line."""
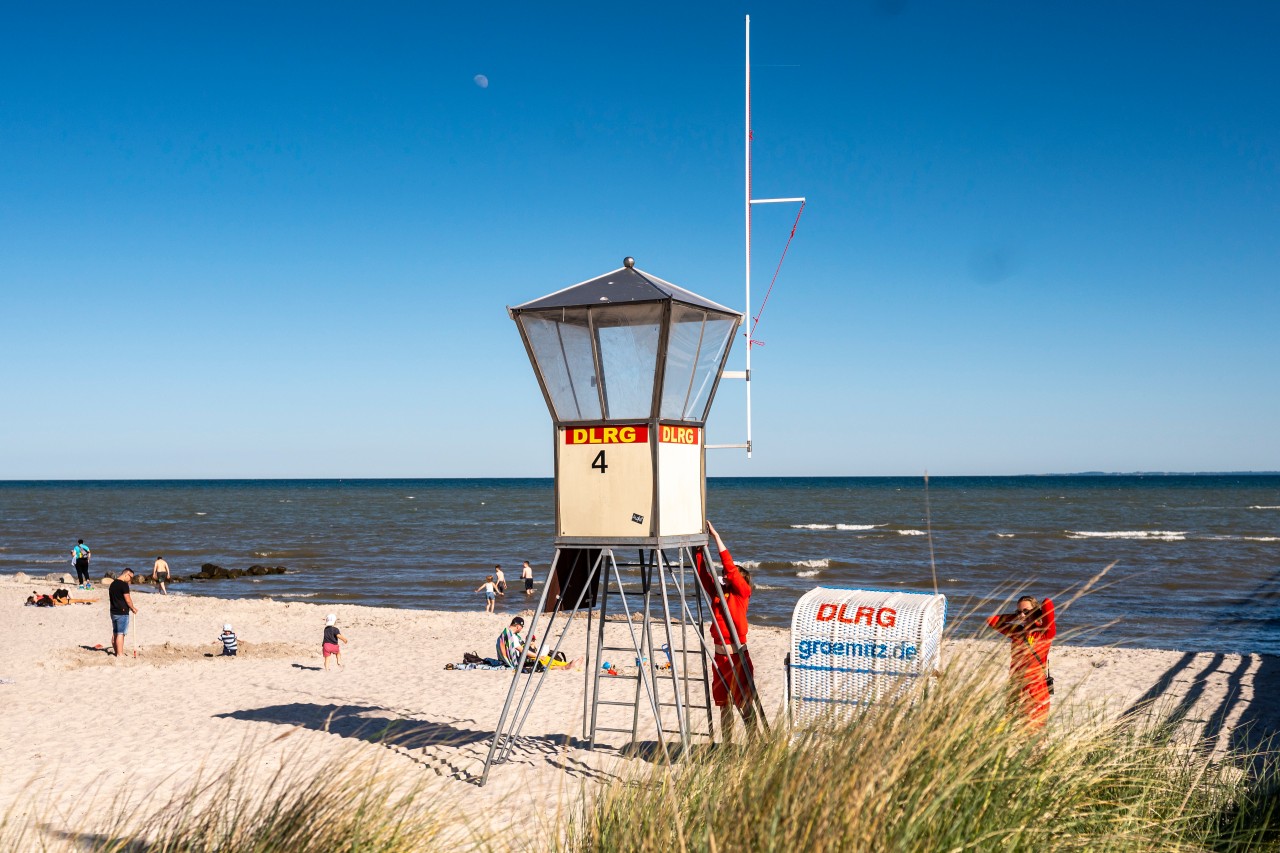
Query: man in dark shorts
{"points": [[733, 673], [526, 574], [121, 606], [80, 559]]}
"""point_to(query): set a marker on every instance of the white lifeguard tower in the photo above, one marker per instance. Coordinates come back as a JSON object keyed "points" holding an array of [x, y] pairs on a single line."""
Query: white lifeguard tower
{"points": [[628, 364]]}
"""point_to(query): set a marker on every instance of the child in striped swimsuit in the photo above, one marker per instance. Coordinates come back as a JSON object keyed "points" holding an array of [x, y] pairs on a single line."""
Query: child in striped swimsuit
{"points": [[228, 638]]}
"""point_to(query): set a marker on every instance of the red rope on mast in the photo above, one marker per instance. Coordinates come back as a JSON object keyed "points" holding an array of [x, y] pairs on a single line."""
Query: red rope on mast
{"points": [[755, 321]]}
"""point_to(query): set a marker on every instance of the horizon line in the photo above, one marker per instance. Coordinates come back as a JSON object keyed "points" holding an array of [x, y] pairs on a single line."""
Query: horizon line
{"points": [[718, 477]]}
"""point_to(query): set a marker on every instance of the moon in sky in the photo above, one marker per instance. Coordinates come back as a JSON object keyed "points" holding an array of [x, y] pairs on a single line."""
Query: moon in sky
{"points": [[482, 81]]}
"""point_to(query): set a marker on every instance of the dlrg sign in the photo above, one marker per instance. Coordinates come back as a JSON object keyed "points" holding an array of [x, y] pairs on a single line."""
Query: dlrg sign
{"points": [[885, 617], [851, 648]]}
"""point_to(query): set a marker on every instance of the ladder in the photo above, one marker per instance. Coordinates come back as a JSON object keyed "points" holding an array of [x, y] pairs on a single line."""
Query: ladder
{"points": [[680, 687]]}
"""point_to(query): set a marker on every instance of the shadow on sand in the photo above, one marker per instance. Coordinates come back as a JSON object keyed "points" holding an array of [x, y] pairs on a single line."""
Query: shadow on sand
{"points": [[1247, 720]]}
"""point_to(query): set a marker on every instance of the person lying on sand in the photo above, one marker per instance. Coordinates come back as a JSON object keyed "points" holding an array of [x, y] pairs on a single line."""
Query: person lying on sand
{"points": [[59, 598]]}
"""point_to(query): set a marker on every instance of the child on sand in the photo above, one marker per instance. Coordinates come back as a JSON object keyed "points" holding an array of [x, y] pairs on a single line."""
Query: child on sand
{"points": [[331, 639], [490, 590], [228, 640]]}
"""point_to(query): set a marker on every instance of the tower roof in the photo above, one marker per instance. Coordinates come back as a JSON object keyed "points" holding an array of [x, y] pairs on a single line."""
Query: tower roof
{"points": [[626, 284]]}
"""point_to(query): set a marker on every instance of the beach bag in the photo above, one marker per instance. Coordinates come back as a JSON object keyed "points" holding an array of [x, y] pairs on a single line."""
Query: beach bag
{"points": [[471, 657]]}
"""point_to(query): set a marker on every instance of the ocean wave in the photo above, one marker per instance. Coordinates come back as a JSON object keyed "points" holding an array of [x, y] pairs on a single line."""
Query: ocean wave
{"points": [[807, 574], [746, 564], [296, 594], [1264, 507], [1006, 535], [811, 564], [813, 527], [911, 533], [1161, 535], [49, 560], [858, 526], [202, 513], [835, 526]]}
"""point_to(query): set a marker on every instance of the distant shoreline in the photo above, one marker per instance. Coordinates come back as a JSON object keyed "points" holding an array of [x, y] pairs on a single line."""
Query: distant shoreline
{"points": [[1081, 474]]}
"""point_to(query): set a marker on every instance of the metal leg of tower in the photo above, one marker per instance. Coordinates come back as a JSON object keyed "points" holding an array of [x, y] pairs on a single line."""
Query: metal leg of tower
{"points": [[640, 655], [609, 569], [707, 661], [515, 678], [577, 605], [586, 674], [681, 721]]}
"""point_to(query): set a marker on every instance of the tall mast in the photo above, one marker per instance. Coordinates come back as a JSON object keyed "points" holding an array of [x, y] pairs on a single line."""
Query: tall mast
{"points": [[747, 220], [747, 201]]}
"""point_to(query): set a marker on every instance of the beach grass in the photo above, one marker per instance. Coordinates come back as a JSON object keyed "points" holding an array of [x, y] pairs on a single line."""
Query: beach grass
{"points": [[296, 808], [946, 768]]}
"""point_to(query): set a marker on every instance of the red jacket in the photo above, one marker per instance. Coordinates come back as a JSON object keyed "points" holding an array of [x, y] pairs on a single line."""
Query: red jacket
{"points": [[737, 594], [1041, 635]]}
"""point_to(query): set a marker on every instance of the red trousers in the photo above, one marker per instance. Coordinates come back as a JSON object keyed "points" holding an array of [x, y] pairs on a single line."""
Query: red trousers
{"points": [[735, 676]]}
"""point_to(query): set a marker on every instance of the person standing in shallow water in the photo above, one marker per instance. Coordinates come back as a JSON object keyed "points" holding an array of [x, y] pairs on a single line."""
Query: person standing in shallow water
{"points": [[80, 559], [160, 572], [490, 590], [526, 574], [1030, 630], [501, 580]]}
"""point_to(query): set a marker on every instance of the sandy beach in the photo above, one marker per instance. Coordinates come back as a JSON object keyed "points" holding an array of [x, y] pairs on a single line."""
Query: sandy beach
{"points": [[82, 729]]}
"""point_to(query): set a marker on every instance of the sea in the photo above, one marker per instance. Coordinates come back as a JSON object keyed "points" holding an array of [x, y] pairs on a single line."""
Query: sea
{"points": [[1186, 562]]}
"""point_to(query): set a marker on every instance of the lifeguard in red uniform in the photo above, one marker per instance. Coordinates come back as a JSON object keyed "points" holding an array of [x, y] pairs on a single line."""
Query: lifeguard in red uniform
{"points": [[1030, 631], [734, 674]]}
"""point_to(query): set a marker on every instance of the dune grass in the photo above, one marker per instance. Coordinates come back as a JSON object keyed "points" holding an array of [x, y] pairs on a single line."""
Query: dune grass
{"points": [[300, 808], [946, 769]]}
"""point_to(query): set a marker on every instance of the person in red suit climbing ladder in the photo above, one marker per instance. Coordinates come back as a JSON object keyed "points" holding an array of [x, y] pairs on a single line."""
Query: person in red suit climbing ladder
{"points": [[1030, 631], [733, 673]]}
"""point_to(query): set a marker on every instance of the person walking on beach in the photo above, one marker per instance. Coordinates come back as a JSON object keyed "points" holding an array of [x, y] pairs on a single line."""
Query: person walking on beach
{"points": [[526, 574], [160, 574], [501, 580], [490, 590], [121, 605], [1030, 631], [332, 636], [733, 671], [80, 559]]}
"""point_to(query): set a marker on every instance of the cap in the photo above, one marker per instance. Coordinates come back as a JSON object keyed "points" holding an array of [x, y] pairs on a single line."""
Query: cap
{"points": [[331, 618], [226, 627]]}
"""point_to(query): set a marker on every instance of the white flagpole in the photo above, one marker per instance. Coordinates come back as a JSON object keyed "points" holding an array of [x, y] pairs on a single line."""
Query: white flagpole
{"points": [[747, 223]]}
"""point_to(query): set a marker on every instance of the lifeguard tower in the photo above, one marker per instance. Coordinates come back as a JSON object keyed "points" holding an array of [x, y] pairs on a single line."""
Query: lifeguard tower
{"points": [[628, 364]]}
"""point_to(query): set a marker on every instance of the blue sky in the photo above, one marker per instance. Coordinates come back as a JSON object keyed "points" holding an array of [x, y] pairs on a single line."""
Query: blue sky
{"points": [[277, 240]]}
